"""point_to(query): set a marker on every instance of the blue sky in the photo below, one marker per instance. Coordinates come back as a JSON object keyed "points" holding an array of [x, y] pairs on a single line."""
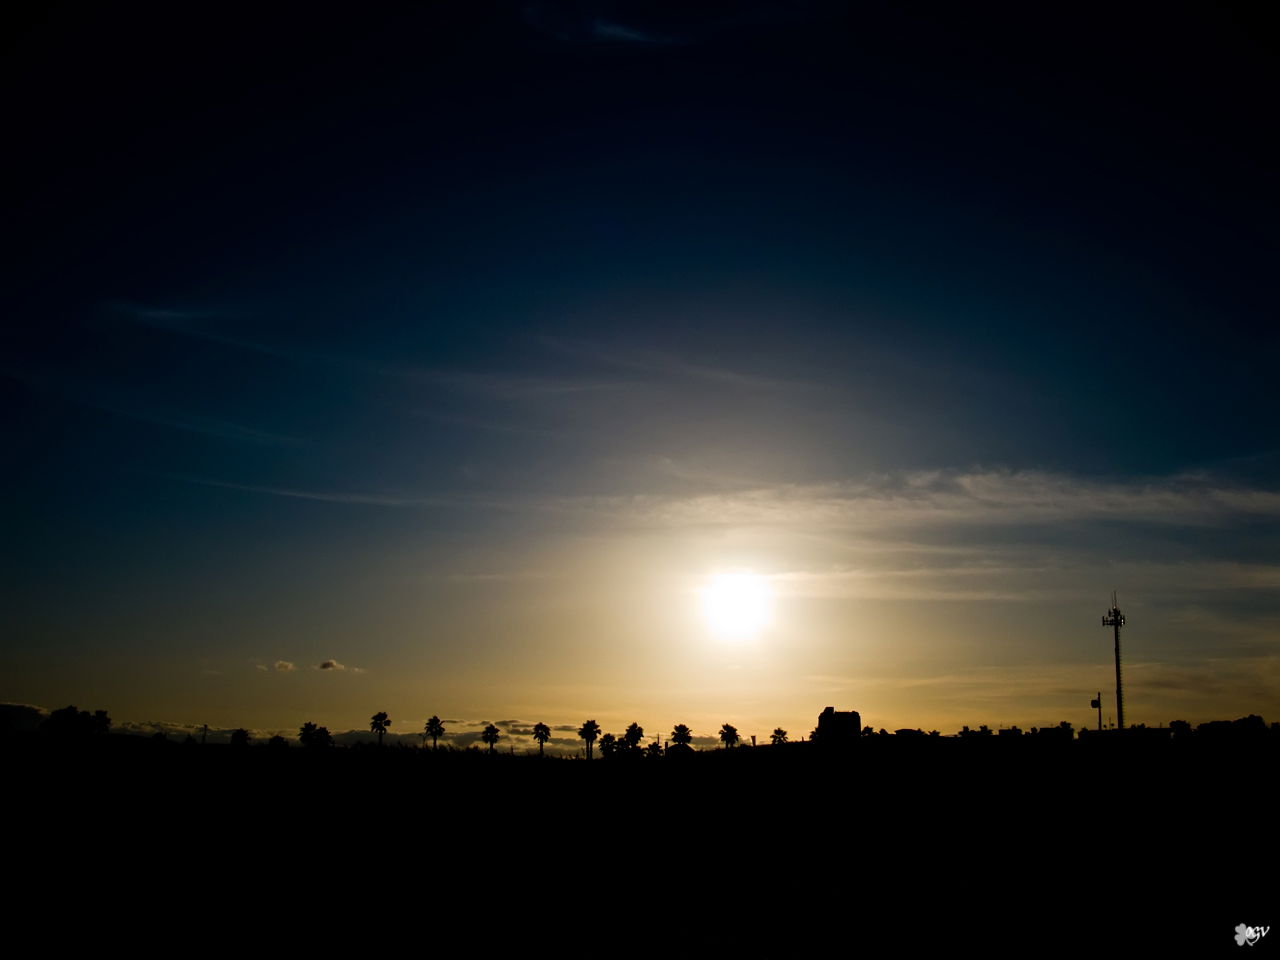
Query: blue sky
{"points": [[460, 349]]}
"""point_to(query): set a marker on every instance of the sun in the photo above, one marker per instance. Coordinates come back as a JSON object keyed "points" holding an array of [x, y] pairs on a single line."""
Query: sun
{"points": [[737, 606]]}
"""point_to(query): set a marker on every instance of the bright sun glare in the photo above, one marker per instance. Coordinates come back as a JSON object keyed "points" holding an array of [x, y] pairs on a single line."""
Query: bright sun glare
{"points": [[737, 606]]}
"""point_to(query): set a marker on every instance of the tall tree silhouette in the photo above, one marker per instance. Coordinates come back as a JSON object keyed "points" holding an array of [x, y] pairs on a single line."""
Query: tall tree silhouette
{"points": [[729, 735], [632, 737], [588, 732], [681, 735], [490, 736], [312, 736], [778, 736], [608, 745], [435, 730], [378, 723], [72, 723], [541, 733]]}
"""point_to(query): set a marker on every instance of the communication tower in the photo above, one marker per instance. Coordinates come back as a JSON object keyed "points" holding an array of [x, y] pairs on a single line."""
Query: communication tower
{"points": [[1114, 618]]}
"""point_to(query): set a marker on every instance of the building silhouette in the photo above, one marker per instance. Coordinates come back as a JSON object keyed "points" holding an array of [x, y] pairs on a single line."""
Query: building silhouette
{"points": [[838, 726]]}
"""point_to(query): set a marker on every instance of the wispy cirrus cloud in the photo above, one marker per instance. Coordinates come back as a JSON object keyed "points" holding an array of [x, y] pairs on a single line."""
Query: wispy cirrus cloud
{"points": [[887, 506], [469, 424], [590, 25], [1017, 536], [935, 498], [656, 364], [367, 499], [510, 386], [199, 324], [204, 325], [514, 576], [134, 405], [211, 326]]}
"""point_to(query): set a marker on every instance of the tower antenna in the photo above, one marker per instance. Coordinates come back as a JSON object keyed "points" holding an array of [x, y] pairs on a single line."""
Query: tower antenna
{"points": [[1114, 618]]}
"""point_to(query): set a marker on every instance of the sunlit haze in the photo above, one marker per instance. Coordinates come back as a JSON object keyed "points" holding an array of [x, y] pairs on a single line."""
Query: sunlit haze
{"points": [[738, 605], [646, 363]]}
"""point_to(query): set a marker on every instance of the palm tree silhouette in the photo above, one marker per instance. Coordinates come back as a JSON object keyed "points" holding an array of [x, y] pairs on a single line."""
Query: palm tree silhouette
{"points": [[541, 733], [588, 732], [681, 735], [490, 736], [435, 730], [608, 745], [378, 724], [729, 735], [312, 736], [630, 740], [778, 736]]}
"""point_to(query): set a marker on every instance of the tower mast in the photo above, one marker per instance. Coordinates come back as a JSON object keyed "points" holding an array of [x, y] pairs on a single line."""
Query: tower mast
{"points": [[1114, 618]]}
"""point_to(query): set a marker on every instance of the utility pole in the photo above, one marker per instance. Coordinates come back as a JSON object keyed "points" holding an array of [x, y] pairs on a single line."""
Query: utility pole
{"points": [[1114, 618]]}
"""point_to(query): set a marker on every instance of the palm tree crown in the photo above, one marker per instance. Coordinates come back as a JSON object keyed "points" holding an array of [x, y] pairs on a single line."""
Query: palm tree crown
{"points": [[435, 730], [312, 736], [609, 745], [378, 723], [632, 737], [588, 732], [681, 734], [541, 733], [779, 735], [490, 736], [729, 735]]}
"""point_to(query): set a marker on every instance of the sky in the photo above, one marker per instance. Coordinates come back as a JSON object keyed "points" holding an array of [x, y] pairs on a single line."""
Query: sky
{"points": [[435, 359]]}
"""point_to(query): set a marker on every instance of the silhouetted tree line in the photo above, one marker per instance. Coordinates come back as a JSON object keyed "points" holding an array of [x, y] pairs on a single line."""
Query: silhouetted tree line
{"points": [[71, 724]]}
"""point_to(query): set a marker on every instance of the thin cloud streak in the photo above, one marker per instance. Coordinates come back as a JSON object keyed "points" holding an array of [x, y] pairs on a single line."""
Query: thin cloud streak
{"points": [[1022, 584], [512, 577], [471, 423], [654, 364], [184, 323], [669, 366], [121, 404], [367, 499], [889, 504], [869, 584], [945, 498], [517, 387]]}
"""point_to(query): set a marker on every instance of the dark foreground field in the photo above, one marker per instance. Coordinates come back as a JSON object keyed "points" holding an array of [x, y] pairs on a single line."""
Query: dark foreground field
{"points": [[894, 848]]}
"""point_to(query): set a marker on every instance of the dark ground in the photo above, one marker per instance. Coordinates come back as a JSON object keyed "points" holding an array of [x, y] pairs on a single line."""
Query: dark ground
{"points": [[899, 848]]}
